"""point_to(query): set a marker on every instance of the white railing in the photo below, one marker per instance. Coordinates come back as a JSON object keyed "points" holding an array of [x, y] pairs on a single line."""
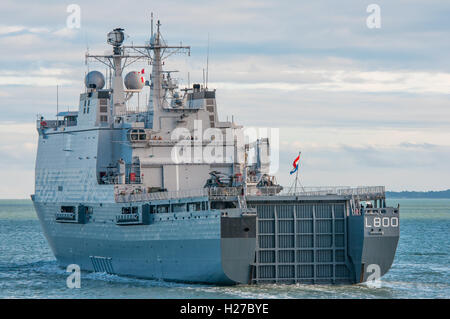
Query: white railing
{"points": [[336, 190], [132, 110], [301, 191], [263, 191], [162, 195], [216, 192], [224, 191]]}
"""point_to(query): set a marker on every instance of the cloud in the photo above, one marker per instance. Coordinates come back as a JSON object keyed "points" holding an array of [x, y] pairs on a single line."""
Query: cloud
{"points": [[398, 158], [66, 33], [413, 145], [293, 73], [354, 81], [40, 77], [20, 183], [365, 106], [17, 145], [396, 167], [7, 30]]}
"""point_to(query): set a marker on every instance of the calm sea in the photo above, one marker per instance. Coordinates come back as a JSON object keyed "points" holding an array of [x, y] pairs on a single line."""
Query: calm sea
{"points": [[421, 268]]}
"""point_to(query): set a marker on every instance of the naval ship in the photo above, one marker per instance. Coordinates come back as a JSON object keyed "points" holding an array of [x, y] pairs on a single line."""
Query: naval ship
{"points": [[158, 191]]}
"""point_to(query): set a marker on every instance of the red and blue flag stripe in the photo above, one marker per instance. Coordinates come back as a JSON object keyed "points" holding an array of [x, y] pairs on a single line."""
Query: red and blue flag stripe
{"points": [[295, 164]]}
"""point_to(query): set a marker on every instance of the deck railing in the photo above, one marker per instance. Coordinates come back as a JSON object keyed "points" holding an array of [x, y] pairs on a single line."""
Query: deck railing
{"points": [[224, 192], [336, 190], [162, 195]]}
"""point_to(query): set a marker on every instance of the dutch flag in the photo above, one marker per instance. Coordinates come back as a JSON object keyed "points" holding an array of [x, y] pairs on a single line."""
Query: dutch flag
{"points": [[295, 164]]}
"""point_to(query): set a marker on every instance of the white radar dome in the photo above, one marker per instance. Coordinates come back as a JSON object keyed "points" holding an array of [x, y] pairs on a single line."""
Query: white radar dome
{"points": [[94, 80], [134, 81]]}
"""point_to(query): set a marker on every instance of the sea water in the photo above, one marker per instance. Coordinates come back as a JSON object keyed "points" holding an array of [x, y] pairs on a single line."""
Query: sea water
{"points": [[421, 268]]}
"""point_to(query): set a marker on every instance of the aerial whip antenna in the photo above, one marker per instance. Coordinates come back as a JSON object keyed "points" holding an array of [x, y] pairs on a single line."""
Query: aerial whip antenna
{"points": [[207, 64], [57, 104], [151, 18]]}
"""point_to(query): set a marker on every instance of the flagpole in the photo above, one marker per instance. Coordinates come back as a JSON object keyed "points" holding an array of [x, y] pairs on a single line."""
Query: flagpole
{"points": [[57, 104]]}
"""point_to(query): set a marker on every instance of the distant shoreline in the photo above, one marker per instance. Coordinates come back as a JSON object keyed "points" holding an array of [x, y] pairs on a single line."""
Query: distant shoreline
{"points": [[419, 195]]}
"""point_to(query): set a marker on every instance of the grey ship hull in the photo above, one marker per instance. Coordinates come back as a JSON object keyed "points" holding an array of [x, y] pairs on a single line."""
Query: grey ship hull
{"points": [[183, 247], [312, 240]]}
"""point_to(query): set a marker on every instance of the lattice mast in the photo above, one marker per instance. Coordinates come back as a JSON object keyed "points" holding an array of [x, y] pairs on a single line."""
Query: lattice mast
{"points": [[154, 53]]}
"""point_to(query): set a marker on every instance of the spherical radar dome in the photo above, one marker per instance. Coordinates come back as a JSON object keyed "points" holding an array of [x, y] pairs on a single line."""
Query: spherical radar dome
{"points": [[134, 81], [94, 80]]}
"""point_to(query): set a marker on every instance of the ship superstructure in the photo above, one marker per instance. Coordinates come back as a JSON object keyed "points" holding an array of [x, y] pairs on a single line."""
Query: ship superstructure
{"points": [[168, 190]]}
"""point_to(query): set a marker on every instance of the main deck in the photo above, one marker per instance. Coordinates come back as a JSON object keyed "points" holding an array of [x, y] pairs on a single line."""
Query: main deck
{"points": [[318, 235]]}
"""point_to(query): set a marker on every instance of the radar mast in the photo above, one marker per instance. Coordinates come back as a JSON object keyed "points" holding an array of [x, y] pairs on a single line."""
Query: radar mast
{"points": [[155, 52]]}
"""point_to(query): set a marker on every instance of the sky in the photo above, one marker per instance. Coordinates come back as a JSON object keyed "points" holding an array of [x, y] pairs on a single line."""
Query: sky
{"points": [[365, 106]]}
